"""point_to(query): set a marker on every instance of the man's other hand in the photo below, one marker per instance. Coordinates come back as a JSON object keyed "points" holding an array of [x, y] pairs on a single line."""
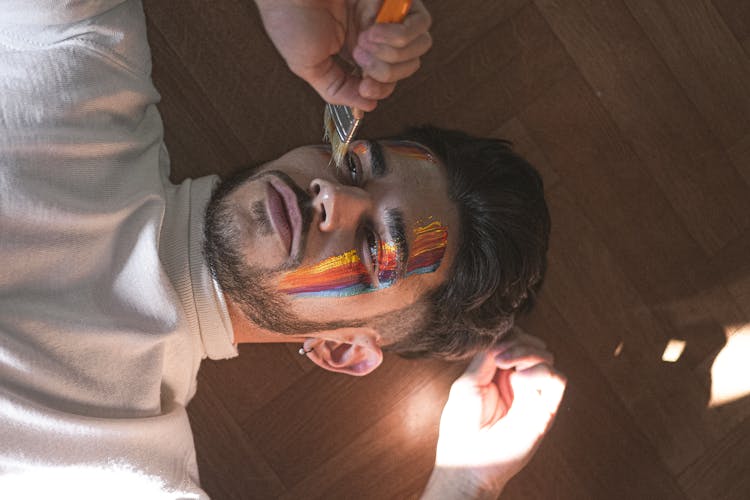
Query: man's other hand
{"points": [[310, 33], [496, 415]]}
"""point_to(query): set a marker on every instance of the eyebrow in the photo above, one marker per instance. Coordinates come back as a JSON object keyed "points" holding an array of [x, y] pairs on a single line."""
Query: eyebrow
{"points": [[394, 222], [378, 166]]}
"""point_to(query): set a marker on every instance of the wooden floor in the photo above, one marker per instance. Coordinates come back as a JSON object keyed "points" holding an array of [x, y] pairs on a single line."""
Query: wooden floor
{"points": [[637, 112]]}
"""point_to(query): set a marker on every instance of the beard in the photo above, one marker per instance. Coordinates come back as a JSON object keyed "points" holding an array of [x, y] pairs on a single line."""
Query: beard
{"points": [[251, 288]]}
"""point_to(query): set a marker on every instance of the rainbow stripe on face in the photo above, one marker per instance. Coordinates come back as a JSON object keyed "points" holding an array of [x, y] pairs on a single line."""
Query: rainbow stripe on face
{"points": [[337, 276], [345, 275], [429, 247], [410, 150], [359, 148]]}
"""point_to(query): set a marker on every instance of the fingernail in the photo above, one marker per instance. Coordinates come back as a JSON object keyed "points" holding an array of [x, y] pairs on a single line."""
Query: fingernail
{"points": [[363, 58]]}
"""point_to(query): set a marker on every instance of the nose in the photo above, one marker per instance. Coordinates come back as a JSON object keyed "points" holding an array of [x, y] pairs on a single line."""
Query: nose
{"points": [[339, 206]]}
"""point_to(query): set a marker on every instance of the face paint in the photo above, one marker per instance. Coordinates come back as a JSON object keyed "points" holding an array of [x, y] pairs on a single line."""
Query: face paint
{"points": [[360, 148], [345, 275], [410, 150], [337, 276], [341, 275], [387, 264], [429, 247]]}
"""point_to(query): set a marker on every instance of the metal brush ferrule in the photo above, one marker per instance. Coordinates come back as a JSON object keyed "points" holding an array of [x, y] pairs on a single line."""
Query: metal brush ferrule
{"points": [[344, 121]]}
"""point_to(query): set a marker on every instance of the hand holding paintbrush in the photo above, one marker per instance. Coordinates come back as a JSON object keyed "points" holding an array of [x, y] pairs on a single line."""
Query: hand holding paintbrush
{"points": [[341, 122], [311, 34]]}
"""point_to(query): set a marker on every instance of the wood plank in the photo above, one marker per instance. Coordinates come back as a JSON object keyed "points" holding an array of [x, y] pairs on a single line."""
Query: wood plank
{"points": [[198, 139], [514, 131], [391, 458], [590, 290], [722, 471], [740, 155], [731, 268], [739, 287], [258, 375], [451, 39], [665, 294], [511, 65], [229, 465], [618, 194], [594, 450], [227, 53], [706, 58], [736, 15], [654, 114], [339, 409]]}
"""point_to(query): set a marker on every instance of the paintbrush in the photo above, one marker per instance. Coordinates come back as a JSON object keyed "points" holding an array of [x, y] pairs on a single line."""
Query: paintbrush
{"points": [[340, 122]]}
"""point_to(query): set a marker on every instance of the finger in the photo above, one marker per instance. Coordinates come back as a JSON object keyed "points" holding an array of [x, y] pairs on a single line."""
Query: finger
{"points": [[492, 404], [416, 22], [390, 54], [505, 395], [522, 357], [334, 85], [385, 72], [372, 89]]}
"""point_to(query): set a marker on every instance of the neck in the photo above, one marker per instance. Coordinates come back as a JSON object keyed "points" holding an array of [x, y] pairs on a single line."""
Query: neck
{"points": [[247, 332]]}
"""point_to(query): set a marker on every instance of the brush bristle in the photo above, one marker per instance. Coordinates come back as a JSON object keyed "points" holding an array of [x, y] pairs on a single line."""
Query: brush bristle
{"points": [[338, 148], [328, 125], [338, 151]]}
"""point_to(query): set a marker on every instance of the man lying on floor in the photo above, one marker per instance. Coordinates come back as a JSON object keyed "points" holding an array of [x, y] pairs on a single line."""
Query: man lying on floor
{"points": [[116, 283]]}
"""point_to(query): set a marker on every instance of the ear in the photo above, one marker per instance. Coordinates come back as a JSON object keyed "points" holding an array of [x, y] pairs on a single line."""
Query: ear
{"points": [[352, 351]]}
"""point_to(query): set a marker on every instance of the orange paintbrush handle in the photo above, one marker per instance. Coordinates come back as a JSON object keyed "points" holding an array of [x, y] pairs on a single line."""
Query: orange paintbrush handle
{"points": [[393, 11]]}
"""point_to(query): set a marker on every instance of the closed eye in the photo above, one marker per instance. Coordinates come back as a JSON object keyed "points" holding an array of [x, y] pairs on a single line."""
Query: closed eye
{"points": [[370, 253], [373, 245], [353, 169]]}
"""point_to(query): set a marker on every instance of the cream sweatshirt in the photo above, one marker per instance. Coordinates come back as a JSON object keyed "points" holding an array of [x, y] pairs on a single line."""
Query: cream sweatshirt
{"points": [[106, 304]]}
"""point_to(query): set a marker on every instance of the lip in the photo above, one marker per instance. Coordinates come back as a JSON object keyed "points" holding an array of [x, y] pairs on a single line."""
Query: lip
{"points": [[283, 211]]}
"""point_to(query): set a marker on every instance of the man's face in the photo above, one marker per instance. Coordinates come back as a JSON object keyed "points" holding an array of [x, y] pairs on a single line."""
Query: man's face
{"points": [[342, 245]]}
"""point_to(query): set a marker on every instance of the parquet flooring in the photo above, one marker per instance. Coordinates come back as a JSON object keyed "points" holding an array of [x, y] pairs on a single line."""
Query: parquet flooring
{"points": [[637, 113]]}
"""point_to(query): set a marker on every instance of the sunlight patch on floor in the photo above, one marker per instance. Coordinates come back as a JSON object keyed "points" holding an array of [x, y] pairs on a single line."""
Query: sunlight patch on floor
{"points": [[730, 372], [673, 351], [618, 349]]}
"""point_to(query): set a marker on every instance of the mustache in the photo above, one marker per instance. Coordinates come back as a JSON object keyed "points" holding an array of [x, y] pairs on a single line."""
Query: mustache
{"points": [[261, 219]]}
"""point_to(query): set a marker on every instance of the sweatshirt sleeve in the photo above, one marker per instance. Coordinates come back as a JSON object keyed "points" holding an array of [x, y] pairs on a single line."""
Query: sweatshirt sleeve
{"points": [[114, 29], [43, 13]]}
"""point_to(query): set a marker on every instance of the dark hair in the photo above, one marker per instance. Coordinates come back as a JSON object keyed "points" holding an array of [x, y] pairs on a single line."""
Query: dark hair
{"points": [[501, 258]]}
